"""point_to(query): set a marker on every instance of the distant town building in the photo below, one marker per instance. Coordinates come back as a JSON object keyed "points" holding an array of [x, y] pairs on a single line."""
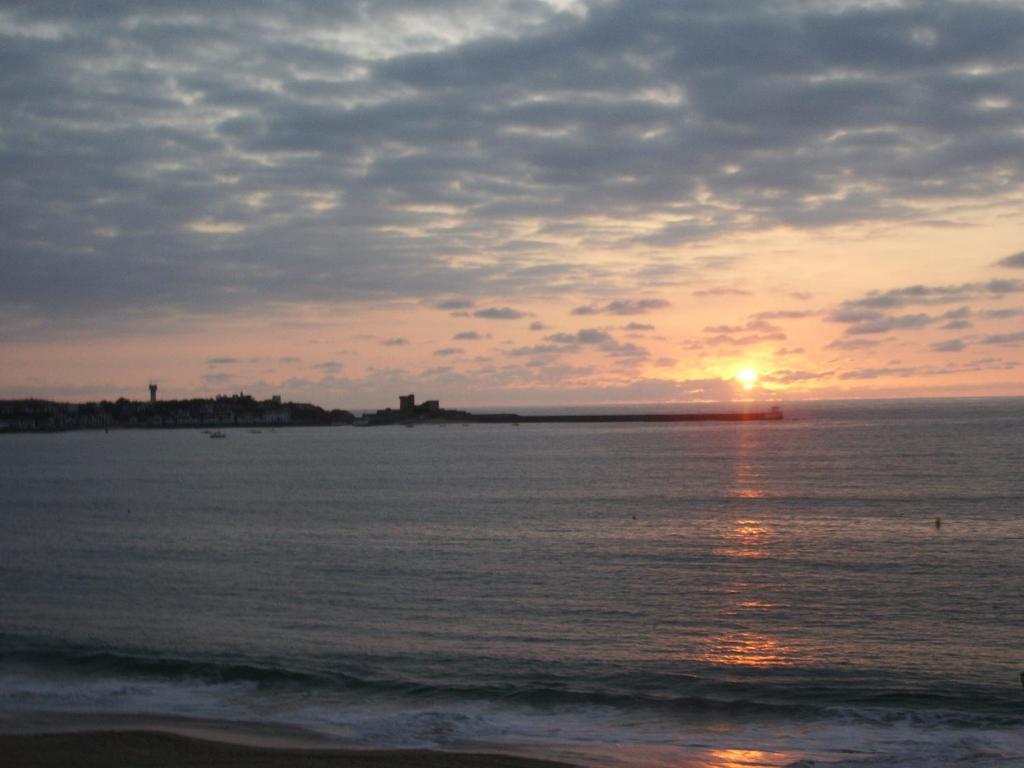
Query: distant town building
{"points": [[220, 411], [409, 412]]}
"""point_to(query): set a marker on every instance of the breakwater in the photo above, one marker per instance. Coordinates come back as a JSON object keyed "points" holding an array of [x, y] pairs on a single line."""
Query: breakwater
{"points": [[773, 414], [411, 417]]}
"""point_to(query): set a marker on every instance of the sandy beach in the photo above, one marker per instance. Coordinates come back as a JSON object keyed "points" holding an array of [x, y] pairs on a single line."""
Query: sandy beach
{"points": [[150, 749]]}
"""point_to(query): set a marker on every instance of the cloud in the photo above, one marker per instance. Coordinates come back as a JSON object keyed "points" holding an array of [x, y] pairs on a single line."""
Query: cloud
{"points": [[957, 325], [585, 336], [904, 372], [864, 316], [957, 319], [853, 344], [783, 314], [846, 315], [455, 304], [538, 326], [795, 377], [889, 323], [536, 350], [467, 336], [448, 351], [876, 373], [626, 350], [1003, 314], [395, 342], [760, 325], [935, 294], [222, 360], [1015, 261], [218, 378], [1003, 338], [624, 307], [499, 313], [756, 331], [722, 292], [953, 345], [594, 337], [638, 327], [743, 341], [328, 366]]}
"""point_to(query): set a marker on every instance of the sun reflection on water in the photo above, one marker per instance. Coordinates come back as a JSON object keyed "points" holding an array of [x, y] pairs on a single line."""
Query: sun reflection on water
{"points": [[747, 649], [744, 758], [748, 538], [741, 641], [748, 493]]}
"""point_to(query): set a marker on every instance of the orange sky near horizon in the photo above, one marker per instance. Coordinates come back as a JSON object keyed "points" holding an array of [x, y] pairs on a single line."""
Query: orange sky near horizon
{"points": [[362, 354]]}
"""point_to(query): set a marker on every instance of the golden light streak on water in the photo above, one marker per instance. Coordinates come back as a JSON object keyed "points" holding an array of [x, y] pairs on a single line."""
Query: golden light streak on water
{"points": [[748, 650]]}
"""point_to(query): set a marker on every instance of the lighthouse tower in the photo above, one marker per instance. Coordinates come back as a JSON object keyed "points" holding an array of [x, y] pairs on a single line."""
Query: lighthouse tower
{"points": [[152, 393]]}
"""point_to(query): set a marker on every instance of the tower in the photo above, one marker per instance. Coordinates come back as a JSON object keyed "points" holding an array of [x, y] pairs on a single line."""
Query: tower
{"points": [[152, 393]]}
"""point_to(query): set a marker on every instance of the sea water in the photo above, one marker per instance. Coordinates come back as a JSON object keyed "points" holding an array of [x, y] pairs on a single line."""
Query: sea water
{"points": [[846, 585]]}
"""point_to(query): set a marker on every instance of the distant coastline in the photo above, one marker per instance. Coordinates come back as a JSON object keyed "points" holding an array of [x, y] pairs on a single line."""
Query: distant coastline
{"points": [[33, 415], [411, 413], [242, 410]]}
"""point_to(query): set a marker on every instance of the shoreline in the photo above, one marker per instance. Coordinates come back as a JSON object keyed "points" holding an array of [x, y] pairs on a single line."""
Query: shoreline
{"points": [[88, 740], [155, 748], [93, 740]]}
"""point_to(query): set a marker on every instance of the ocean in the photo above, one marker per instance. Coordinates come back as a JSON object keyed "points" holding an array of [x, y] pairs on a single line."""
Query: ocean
{"points": [[844, 586]]}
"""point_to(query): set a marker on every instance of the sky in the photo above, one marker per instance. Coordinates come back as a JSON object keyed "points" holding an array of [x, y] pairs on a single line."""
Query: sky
{"points": [[517, 202]]}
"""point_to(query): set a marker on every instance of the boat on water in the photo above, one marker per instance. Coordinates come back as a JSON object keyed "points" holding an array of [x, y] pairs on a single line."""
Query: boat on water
{"points": [[217, 434]]}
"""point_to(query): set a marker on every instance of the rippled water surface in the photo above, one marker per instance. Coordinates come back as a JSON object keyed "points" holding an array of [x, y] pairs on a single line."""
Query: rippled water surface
{"points": [[631, 591]]}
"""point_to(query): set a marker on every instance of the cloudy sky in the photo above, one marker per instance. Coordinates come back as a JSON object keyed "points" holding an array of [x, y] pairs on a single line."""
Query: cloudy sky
{"points": [[511, 202]]}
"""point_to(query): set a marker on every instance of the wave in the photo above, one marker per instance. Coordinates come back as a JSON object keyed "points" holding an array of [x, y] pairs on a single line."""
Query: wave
{"points": [[364, 707], [33, 673], [85, 661]]}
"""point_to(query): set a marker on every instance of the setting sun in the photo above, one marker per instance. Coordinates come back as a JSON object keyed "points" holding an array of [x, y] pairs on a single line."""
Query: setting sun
{"points": [[747, 377]]}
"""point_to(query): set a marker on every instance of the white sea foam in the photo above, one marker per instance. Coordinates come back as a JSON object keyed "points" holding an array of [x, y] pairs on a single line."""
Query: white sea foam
{"points": [[26, 692], [593, 734]]}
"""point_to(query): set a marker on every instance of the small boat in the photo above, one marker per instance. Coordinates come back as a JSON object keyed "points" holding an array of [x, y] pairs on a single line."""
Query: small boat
{"points": [[217, 434]]}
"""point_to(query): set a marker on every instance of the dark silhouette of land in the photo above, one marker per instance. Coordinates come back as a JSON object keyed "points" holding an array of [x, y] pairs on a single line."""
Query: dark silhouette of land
{"points": [[243, 410], [220, 411], [409, 413]]}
